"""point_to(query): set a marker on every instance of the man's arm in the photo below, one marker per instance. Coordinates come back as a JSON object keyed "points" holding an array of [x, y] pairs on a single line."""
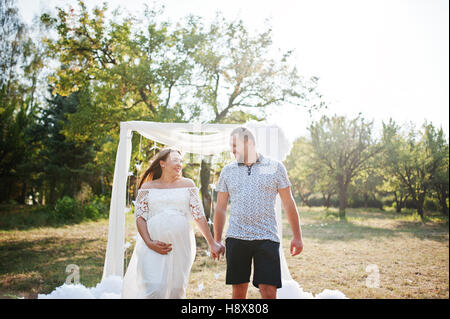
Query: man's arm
{"points": [[220, 215], [292, 215]]}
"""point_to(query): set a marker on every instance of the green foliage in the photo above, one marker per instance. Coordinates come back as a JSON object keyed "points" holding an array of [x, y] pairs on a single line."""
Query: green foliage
{"points": [[431, 204], [68, 209], [107, 70], [307, 175], [21, 62], [344, 149], [236, 78], [415, 160]]}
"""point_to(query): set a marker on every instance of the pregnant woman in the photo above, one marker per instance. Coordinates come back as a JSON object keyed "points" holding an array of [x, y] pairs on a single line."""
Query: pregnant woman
{"points": [[165, 246]]}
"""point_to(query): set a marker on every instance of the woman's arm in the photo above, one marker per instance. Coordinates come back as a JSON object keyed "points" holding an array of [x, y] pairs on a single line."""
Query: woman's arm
{"points": [[214, 247], [203, 225], [159, 247], [198, 215]]}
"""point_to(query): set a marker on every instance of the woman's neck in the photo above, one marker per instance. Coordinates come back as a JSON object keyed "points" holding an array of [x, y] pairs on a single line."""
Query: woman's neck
{"points": [[168, 179]]}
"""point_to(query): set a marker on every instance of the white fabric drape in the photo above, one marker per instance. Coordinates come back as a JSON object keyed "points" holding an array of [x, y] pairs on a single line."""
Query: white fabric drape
{"points": [[270, 141]]}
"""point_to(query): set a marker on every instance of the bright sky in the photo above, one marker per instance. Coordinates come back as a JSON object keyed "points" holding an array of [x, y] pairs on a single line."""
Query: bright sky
{"points": [[383, 58]]}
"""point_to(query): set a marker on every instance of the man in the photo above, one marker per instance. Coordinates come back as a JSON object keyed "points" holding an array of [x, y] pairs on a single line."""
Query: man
{"points": [[252, 183]]}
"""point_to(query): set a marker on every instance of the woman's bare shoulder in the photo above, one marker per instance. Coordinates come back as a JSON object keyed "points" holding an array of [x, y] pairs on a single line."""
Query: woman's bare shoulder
{"points": [[149, 184], [183, 182], [187, 182]]}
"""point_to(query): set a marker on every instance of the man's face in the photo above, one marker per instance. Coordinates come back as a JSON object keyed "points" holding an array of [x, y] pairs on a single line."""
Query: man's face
{"points": [[240, 148], [237, 147]]}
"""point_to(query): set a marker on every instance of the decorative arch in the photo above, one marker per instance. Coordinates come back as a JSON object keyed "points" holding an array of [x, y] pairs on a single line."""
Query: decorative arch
{"points": [[270, 141]]}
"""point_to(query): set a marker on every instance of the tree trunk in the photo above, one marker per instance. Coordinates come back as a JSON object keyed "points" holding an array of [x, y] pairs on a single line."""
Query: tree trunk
{"points": [[102, 181], [366, 200], [23, 196], [398, 203], [444, 207], [52, 192], [205, 173], [342, 197], [304, 199], [442, 195], [420, 201], [326, 199]]}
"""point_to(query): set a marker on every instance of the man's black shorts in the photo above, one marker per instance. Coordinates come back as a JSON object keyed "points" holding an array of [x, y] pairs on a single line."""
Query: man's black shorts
{"points": [[266, 262]]}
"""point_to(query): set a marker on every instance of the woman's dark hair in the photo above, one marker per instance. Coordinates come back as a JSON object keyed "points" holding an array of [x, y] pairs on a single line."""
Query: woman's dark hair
{"points": [[155, 171]]}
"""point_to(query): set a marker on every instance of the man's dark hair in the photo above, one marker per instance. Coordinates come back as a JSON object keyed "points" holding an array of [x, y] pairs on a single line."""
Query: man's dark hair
{"points": [[244, 133]]}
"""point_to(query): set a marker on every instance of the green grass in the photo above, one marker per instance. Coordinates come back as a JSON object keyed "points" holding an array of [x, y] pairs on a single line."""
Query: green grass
{"points": [[412, 256]]}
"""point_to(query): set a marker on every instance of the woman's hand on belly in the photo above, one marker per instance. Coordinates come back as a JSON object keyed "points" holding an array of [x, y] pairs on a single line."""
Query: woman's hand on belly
{"points": [[160, 247]]}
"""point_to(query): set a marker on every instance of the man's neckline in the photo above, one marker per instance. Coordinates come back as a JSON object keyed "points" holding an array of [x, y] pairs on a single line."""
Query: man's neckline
{"points": [[258, 160]]}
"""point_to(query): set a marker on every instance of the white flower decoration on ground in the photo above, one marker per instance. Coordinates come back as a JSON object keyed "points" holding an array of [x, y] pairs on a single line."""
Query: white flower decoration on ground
{"points": [[126, 245], [210, 222], [127, 210], [216, 276], [138, 166], [200, 287]]}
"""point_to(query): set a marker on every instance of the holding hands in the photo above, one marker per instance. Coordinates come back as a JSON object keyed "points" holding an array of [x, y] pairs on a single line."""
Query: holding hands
{"points": [[216, 249]]}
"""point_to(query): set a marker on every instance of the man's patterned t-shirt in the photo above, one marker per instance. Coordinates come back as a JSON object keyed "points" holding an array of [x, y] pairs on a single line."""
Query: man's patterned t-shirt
{"points": [[252, 193]]}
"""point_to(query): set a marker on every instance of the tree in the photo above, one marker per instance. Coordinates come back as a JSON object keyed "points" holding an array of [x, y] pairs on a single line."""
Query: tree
{"points": [[440, 182], [392, 185], [12, 36], [415, 158], [122, 69], [366, 184], [345, 148], [65, 163], [20, 65], [302, 174], [236, 78]]}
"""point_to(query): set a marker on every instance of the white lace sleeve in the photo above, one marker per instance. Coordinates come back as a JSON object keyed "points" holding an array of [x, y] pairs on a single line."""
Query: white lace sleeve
{"points": [[195, 204], [141, 205]]}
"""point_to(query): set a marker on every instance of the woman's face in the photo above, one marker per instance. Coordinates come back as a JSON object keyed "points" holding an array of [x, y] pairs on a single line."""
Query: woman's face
{"points": [[173, 163]]}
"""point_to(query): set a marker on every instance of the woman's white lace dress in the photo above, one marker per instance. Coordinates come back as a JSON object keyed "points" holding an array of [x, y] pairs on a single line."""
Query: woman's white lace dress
{"points": [[168, 213]]}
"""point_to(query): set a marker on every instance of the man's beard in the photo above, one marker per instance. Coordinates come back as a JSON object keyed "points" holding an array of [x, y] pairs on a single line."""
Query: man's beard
{"points": [[251, 157]]}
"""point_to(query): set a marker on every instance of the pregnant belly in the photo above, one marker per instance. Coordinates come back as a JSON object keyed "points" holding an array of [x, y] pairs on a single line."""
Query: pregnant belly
{"points": [[169, 227]]}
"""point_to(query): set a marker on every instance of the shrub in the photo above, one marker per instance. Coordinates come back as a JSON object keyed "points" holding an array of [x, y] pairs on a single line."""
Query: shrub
{"points": [[66, 208], [410, 204], [90, 212], [431, 204], [102, 204]]}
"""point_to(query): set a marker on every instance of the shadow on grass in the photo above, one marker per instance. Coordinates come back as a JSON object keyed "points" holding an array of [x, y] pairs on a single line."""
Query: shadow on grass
{"points": [[326, 227], [38, 266], [23, 217], [23, 256], [344, 230]]}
